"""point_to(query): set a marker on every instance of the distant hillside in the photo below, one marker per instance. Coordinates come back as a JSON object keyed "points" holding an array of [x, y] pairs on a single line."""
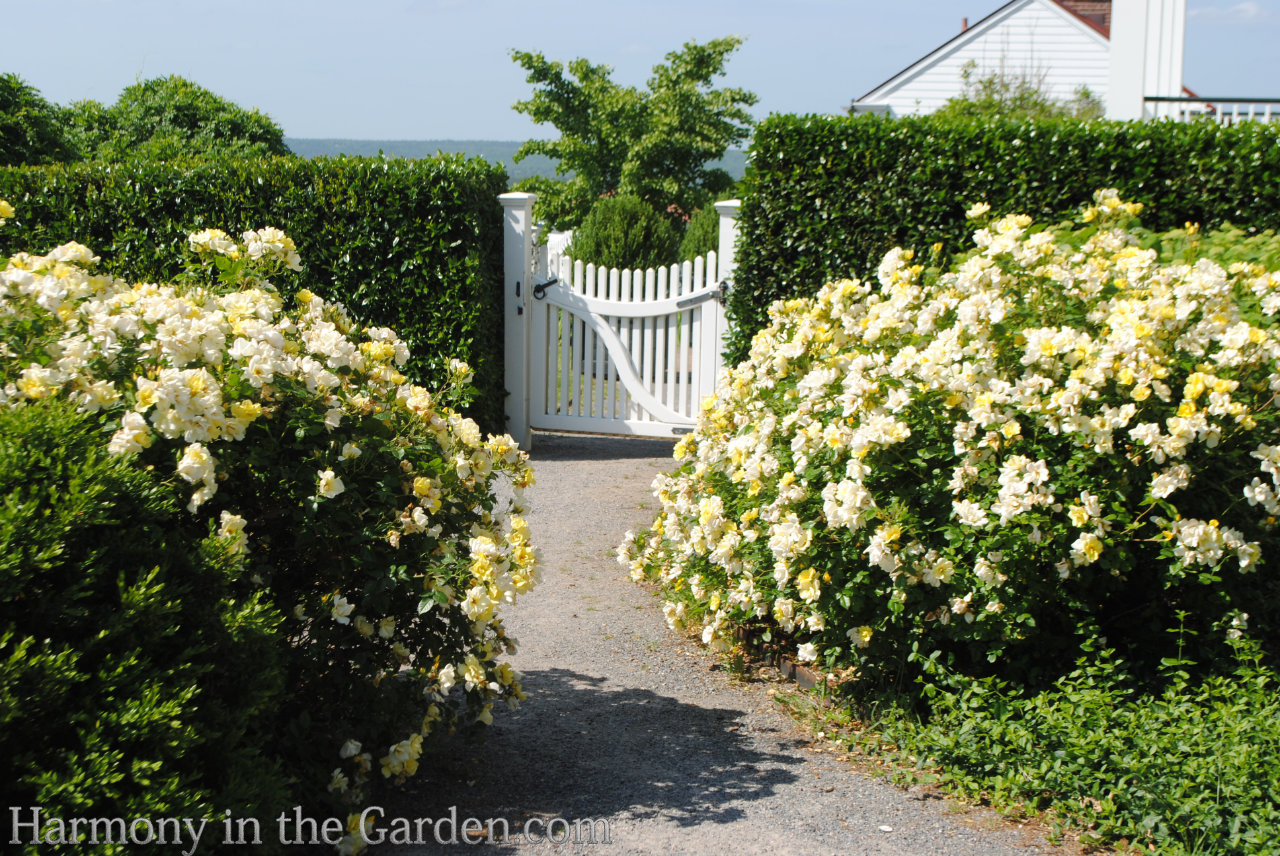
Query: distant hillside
{"points": [[494, 151]]}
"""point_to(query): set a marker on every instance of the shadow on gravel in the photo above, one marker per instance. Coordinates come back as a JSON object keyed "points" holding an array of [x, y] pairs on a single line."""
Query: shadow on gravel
{"points": [[590, 447], [579, 750]]}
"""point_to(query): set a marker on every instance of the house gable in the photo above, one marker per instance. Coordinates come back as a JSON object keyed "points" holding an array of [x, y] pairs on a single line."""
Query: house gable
{"points": [[1040, 40]]}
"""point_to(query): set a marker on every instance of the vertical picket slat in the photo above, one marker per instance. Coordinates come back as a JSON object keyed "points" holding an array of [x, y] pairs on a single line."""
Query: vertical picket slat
{"points": [[697, 317], [598, 367], [565, 361], [624, 335], [686, 344], [712, 332], [565, 275], [676, 343], [586, 346], [660, 338], [650, 286], [611, 410], [636, 330], [667, 348], [581, 383], [565, 367], [635, 336]]}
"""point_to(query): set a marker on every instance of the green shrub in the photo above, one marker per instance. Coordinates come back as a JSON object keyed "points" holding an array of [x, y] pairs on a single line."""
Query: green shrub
{"points": [[1058, 438], [30, 128], [170, 117], [701, 235], [625, 232], [1004, 95], [828, 197], [365, 507], [411, 245], [133, 681]]}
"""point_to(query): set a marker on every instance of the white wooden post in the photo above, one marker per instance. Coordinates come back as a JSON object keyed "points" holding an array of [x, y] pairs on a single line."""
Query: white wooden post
{"points": [[726, 264], [1147, 40], [517, 236], [1164, 67]]}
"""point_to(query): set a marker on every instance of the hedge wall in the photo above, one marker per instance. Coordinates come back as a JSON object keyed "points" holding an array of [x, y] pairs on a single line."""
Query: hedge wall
{"points": [[412, 245], [827, 197]]}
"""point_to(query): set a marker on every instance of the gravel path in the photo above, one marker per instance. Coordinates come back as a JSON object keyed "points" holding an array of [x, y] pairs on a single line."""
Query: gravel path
{"points": [[630, 723]]}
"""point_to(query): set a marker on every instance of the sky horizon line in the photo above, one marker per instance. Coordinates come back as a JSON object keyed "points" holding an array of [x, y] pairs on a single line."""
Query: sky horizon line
{"points": [[442, 69]]}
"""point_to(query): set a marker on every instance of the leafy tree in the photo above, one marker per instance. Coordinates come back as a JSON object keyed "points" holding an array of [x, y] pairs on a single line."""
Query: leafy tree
{"points": [[562, 204], [1001, 95], [168, 117], [654, 144], [30, 130]]}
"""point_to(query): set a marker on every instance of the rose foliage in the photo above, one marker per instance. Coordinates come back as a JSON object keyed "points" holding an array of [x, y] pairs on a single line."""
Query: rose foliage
{"points": [[1062, 440], [362, 507]]}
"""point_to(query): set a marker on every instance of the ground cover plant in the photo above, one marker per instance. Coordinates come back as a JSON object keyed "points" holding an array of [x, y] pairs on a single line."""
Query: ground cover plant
{"points": [[1185, 767], [980, 472], [356, 512]]}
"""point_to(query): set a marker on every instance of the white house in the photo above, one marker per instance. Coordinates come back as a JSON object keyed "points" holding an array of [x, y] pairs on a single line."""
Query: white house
{"points": [[1123, 52]]}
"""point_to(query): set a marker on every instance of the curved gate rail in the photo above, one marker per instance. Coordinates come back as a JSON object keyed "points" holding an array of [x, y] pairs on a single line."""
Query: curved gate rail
{"points": [[610, 351]]}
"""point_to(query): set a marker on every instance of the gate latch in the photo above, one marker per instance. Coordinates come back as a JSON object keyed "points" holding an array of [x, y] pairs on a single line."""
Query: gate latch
{"points": [[540, 288]]}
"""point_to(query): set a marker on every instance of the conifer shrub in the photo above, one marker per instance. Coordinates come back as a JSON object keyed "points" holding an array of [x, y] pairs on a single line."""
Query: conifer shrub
{"points": [[625, 232], [701, 235]]}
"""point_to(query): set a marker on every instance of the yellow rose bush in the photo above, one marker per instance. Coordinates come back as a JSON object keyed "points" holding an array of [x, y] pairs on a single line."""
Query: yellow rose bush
{"points": [[374, 517], [1064, 437]]}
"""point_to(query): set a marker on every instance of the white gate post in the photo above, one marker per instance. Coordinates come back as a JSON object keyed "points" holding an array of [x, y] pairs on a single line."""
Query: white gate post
{"points": [[726, 263], [517, 255]]}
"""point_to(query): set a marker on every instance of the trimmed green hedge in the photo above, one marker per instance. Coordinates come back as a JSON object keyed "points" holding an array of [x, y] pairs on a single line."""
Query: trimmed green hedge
{"points": [[827, 197], [412, 245]]}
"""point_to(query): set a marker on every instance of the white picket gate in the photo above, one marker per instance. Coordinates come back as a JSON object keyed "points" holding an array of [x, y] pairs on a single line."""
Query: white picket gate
{"points": [[604, 350]]}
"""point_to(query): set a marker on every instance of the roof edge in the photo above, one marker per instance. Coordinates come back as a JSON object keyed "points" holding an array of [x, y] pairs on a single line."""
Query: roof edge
{"points": [[1105, 31], [973, 32]]}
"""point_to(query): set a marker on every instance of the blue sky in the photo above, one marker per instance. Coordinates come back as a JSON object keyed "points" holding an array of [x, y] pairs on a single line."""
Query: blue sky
{"points": [[440, 69]]}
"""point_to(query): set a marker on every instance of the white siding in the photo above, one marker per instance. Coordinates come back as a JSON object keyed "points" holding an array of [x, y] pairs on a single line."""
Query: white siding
{"points": [[1035, 38]]}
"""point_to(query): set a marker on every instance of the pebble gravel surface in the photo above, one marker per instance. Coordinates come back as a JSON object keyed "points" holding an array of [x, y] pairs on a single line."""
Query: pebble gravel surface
{"points": [[629, 723]]}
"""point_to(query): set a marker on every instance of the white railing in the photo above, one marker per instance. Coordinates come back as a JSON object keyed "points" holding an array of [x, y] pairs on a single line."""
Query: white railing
{"points": [[1224, 111]]}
